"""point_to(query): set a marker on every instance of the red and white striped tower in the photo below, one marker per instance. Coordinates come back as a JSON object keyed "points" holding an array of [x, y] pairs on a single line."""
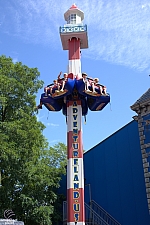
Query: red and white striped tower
{"points": [[74, 37]]}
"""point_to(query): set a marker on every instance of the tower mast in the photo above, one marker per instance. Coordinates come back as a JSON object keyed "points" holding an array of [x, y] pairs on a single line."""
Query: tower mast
{"points": [[74, 37]]}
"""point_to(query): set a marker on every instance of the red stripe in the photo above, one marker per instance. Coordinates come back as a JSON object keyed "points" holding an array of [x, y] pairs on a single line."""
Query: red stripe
{"points": [[74, 49], [74, 204]]}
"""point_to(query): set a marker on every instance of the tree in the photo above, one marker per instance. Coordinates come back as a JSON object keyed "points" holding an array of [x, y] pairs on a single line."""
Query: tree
{"points": [[31, 170]]}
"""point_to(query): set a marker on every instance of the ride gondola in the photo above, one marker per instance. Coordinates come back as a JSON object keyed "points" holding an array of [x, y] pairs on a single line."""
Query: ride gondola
{"points": [[92, 94]]}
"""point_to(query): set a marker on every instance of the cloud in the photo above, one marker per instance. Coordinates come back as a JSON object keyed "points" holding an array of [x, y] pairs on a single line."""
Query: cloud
{"points": [[52, 124], [53, 141], [122, 34], [118, 31], [146, 6]]}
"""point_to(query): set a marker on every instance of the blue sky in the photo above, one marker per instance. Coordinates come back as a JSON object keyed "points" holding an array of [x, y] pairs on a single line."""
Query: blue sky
{"points": [[118, 54]]}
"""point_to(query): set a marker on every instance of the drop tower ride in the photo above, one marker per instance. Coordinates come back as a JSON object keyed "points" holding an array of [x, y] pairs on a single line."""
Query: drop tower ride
{"points": [[74, 95], [74, 37]]}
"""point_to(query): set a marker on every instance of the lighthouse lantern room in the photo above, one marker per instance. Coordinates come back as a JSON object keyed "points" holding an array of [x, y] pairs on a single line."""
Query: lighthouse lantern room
{"points": [[74, 28]]}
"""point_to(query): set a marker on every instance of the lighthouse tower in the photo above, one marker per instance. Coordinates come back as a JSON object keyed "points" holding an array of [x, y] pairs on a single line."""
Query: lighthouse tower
{"points": [[74, 37]]}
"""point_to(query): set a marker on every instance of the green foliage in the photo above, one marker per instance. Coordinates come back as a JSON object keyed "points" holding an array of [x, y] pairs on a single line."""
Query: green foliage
{"points": [[31, 170]]}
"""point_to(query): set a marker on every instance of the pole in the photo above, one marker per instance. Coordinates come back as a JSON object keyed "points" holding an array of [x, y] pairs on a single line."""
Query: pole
{"points": [[75, 176]]}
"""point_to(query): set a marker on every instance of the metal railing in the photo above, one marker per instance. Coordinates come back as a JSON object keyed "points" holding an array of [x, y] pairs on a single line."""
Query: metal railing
{"points": [[94, 215], [103, 214], [64, 211], [92, 218]]}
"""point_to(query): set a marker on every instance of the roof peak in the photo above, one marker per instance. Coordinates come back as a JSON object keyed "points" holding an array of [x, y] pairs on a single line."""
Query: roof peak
{"points": [[73, 6], [143, 99]]}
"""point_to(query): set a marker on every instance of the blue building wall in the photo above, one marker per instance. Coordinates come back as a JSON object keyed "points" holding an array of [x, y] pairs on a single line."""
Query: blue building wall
{"points": [[114, 171]]}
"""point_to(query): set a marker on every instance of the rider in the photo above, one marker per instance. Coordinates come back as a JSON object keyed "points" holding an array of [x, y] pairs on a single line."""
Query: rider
{"points": [[52, 86], [85, 80], [94, 83], [63, 80]]}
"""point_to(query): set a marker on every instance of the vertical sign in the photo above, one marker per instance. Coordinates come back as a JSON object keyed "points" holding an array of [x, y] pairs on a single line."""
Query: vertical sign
{"points": [[75, 177]]}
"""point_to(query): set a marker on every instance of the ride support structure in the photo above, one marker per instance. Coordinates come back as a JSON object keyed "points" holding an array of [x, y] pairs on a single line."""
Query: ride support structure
{"points": [[74, 95], [75, 174]]}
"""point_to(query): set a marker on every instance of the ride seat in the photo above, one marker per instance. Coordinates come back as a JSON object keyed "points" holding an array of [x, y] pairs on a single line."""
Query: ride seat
{"points": [[71, 76]]}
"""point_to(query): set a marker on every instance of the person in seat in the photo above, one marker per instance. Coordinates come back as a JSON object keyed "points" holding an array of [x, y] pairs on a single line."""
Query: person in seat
{"points": [[54, 86], [51, 87], [101, 87], [105, 90], [85, 80], [62, 81], [94, 84]]}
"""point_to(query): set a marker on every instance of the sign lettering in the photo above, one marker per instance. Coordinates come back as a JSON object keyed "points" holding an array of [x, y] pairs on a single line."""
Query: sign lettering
{"points": [[75, 147]]}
